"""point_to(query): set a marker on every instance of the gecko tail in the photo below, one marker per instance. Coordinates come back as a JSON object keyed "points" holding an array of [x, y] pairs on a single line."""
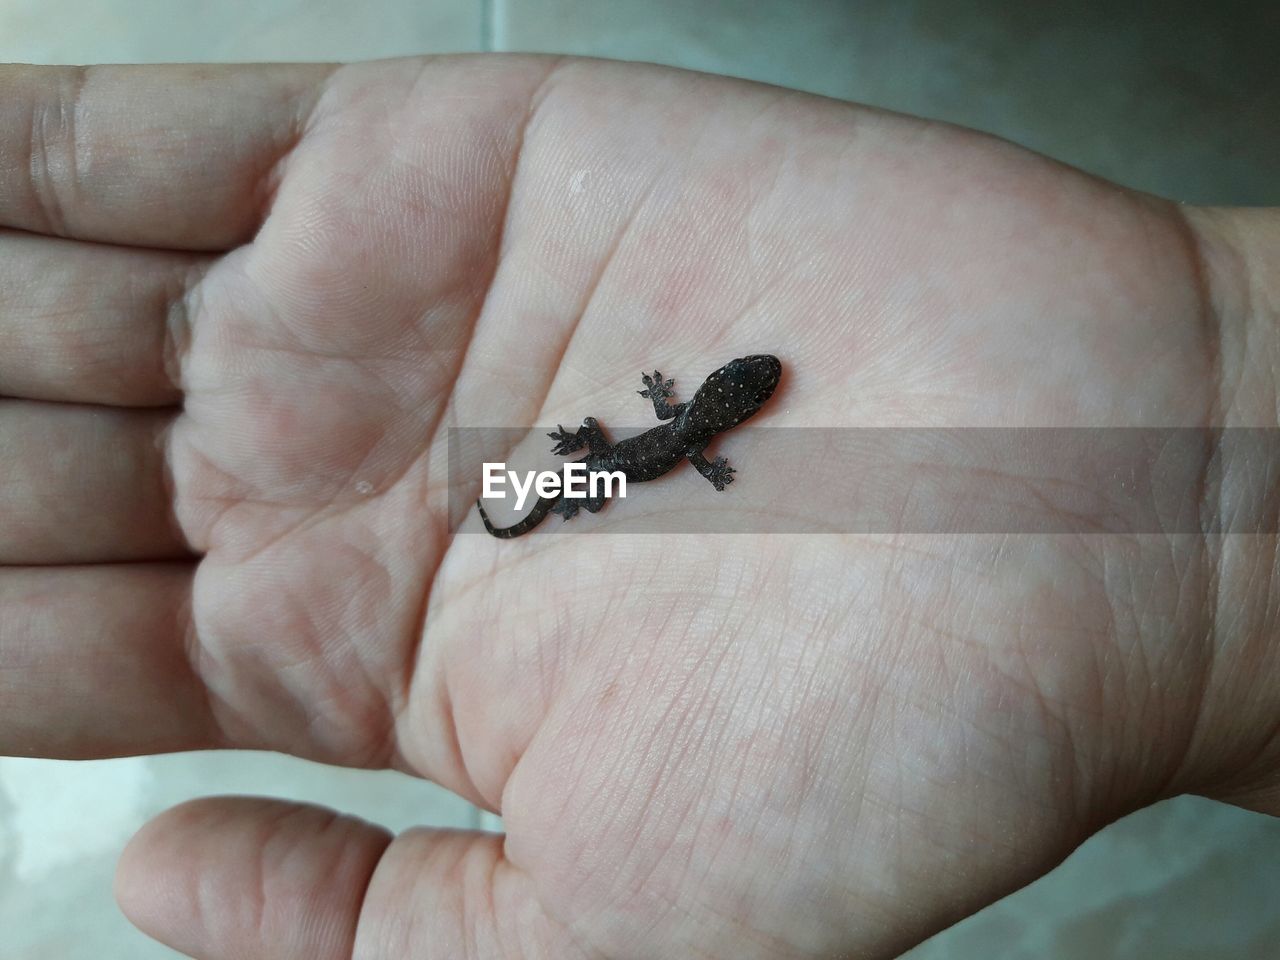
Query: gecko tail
{"points": [[539, 513]]}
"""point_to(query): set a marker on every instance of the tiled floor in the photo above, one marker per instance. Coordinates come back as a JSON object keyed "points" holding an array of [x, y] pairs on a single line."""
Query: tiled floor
{"points": [[63, 825], [1186, 103], [153, 31]]}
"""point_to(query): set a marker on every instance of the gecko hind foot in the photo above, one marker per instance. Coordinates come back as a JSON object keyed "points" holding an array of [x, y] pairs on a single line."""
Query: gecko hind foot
{"points": [[566, 508], [566, 442], [720, 474]]}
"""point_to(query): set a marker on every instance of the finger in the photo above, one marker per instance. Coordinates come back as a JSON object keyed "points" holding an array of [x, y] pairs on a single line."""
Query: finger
{"points": [[84, 485], [163, 156], [90, 323], [93, 663], [457, 891], [240, 878], [251, 879]]}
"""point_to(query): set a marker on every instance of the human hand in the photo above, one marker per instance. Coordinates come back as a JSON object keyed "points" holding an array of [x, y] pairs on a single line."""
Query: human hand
{"points": [[240, 306]]}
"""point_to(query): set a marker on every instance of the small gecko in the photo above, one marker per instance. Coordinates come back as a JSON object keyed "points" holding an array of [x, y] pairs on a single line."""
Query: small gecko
{"points": [[730, 395]]}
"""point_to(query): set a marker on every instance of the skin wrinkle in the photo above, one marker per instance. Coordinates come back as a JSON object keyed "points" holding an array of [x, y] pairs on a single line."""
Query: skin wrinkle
{"points": [[317, 660], [380, 433], [1057, 713], [383, 747], [1145, 669], [132, 473], [1142, 626], [227, 501], [636, 727], [280, 846], [38, 172], [360, 913], [194, 653], [311, 519], [805, 773], [735, 785], [683, 746], [452, 747], [1002, 737], [178, 337], [265, 850], [1075, 786], [1239, 780], [874, 682], [1213, 325], [536, 99], [70, 120], [247, 733], [419, 622], [301, 124], [752, 206], [619, 657], [314, 513], [322, 926], [82, 327], [163, 442], [641, 764], [45, 185], [1267, 744], [1211, 598], [455, 735], [641, 881], [180, 304]]}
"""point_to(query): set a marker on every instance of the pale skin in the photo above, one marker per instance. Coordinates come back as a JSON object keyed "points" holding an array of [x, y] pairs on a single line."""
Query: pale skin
{"points": [[240, 306]]}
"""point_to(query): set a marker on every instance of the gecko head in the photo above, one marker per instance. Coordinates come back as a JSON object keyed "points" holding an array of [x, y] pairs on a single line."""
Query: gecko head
{"points": [[736, 391], [761, 372]]}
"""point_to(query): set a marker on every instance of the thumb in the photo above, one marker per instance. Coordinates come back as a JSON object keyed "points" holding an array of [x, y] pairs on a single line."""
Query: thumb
{"points": [[247, 878]]}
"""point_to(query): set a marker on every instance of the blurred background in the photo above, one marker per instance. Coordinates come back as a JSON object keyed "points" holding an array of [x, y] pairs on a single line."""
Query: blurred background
{"points": [[1178, 98]]}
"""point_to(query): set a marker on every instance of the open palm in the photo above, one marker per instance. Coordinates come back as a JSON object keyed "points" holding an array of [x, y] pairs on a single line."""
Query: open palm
{"points": [[723, 746]]}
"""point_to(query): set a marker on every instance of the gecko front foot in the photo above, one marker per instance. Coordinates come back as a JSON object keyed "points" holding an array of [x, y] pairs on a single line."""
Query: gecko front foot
{"points": [[566, 442], [656, 387], [720, 474]]}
